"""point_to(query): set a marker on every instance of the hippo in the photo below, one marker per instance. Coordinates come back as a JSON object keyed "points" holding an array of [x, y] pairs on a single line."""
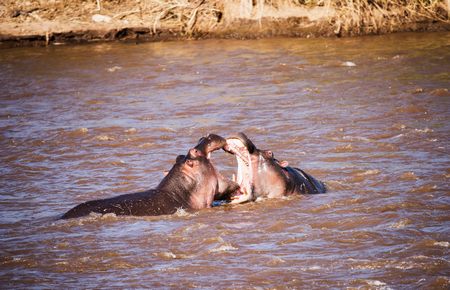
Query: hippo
{"points": [[259, 174], [192, 184]]}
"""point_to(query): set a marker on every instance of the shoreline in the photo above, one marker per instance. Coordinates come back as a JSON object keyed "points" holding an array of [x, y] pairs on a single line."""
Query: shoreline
{"points": [[146, 34], [27, 24]]}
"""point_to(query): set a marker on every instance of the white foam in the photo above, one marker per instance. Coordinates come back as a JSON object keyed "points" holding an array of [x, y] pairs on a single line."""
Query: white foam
{"points": [[109, 216], [114, 68], [168, 255], [223, 248], [369, 172], [377, 283], [348, 63], [441, 244], [425, 130], [181, 212], [400, 224]]}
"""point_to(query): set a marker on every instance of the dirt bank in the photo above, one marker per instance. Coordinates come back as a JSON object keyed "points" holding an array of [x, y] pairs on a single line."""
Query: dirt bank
{"points": [[45, 22]]}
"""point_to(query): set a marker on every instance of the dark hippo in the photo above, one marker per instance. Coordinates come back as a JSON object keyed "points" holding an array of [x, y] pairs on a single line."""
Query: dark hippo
{"points": [[192, 183], [259, 174]]}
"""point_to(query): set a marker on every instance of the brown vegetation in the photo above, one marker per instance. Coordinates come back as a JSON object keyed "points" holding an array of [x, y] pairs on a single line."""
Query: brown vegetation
{"points": [[84, 20], [365, 16]]}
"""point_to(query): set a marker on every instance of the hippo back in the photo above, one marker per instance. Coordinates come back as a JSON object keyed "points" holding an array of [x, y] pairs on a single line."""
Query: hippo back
{"points": [[305, 183]]}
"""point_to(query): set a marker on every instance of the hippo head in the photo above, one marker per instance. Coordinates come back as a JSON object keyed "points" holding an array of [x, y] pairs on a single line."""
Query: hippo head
{"points": [[195, 176], [206, 145], [259, 174]]}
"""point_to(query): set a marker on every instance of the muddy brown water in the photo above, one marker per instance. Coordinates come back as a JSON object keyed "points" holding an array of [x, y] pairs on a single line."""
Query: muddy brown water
{"points": [[369, 116]]}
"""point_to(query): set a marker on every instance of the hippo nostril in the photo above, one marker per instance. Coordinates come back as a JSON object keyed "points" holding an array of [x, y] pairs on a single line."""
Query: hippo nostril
{"points": [[194, 152]]}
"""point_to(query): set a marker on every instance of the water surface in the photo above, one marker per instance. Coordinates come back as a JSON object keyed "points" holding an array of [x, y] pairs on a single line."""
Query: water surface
{"points": [[369, 116]]}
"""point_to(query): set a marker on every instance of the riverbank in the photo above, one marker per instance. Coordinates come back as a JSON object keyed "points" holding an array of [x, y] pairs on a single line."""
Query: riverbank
{"points": [[46, 22]]}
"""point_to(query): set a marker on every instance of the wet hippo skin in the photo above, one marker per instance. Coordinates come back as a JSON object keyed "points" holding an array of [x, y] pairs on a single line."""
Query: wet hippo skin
{"points": [[191, 184], [259, 174]]}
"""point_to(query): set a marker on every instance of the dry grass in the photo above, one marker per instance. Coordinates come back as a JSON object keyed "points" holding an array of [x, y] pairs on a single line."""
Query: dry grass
{"points": [[349, 16], [361, 16], [358, 16], [182, 13], [189, 16]]}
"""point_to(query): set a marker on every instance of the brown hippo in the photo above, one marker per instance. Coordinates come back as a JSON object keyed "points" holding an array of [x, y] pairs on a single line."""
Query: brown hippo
{"points": [[259, 174], [191, 184]]}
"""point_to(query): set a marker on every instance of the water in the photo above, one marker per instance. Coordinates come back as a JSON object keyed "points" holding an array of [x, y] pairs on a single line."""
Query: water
{"points": [[369, 116]]}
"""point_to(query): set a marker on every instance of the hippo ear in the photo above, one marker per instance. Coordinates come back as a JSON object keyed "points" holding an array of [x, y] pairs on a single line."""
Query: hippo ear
{"points": [[180, 158]]}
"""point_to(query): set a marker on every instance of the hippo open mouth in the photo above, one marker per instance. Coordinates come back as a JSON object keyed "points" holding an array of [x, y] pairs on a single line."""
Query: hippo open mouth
{"points": [[239, 147]]}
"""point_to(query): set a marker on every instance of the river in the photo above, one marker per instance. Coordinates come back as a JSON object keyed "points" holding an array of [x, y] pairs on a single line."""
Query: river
{"points": [[369, 116]]}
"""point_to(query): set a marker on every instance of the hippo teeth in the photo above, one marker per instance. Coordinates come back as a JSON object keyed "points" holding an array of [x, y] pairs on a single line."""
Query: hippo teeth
{"points": [[244, 176], [242, 159]]}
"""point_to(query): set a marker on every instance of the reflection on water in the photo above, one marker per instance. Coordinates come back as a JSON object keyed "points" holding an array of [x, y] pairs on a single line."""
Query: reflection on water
{"points": [[369, 116]]}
